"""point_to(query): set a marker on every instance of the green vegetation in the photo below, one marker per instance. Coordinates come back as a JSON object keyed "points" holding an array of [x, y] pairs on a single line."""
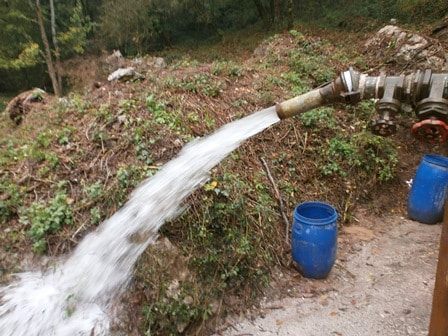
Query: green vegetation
{"points": [[73, 163], [44, 219], [12, 200], [357, 152], [138, 27], [4, 99]]}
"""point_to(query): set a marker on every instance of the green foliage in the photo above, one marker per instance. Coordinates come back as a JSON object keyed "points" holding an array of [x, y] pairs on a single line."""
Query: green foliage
{"points": [[375, 155], [44, 219], [105, 114], [408, 11], [308, 60], [219, 237], [65, 134], [198, 83], [11, 200], [39, 151], [74, 103], [75, 39], [367, 155], [319, 118], [226, 68], [44, 139], [29, 57], [163, 317], [297, 83], [92, 192], [221, 242], [134, 25], [22, 48], [158, 110], [153, 106], [143, 154], [18, 35]]}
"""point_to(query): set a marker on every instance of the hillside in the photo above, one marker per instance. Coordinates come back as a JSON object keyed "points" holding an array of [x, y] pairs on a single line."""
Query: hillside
{"points": [[72, 163]]}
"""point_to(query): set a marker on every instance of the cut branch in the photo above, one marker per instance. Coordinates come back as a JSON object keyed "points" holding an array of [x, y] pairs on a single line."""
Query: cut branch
{"points": [[279, 198]]}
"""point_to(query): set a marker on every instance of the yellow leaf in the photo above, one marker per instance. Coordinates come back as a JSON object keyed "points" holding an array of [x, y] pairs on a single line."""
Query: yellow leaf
{"points": [[211, 186]]}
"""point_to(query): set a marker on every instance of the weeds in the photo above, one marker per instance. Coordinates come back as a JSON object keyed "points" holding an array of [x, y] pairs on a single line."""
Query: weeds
{"points": [[12, 199], [221, 241], [175, 310], [228, 69], [199, 84], [366, 155], [65, 134], [47, 218], [319, 118]]}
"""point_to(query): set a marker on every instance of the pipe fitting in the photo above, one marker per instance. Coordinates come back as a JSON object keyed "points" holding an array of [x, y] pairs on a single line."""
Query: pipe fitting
{"points": [[345, 88]]}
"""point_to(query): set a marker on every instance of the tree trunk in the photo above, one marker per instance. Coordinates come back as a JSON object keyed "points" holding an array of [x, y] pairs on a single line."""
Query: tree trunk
{"points": [[55, 44], [57, 87]]}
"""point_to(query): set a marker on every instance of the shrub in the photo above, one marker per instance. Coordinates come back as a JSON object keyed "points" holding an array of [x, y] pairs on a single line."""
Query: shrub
{"points": [[47, 218]]}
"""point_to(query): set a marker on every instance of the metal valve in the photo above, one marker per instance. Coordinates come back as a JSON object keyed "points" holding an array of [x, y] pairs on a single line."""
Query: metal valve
{"points": [[425, 92], [432, 109], [388, 106]]}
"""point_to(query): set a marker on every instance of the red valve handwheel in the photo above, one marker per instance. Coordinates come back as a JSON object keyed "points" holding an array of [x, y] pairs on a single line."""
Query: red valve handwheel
{"points": [[431, 131]]}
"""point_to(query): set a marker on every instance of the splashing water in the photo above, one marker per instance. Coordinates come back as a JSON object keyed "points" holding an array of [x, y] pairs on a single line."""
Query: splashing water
{"points": [[71, 298]]}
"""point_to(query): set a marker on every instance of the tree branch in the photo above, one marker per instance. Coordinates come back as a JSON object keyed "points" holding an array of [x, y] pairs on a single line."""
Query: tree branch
{"points": [[279, 198]]}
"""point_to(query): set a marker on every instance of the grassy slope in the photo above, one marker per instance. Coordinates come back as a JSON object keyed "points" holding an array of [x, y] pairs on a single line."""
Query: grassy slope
{"points": [[82, 157]]}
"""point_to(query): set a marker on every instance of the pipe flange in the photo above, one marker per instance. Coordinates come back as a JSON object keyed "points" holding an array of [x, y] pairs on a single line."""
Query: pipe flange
{"points": [[432, 108]]}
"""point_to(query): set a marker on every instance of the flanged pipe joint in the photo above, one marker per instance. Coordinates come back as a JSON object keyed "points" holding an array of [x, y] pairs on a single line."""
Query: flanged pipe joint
{"points": [[425, 92]]}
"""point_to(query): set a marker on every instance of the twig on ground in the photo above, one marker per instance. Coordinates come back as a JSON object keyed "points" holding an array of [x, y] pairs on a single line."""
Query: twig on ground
{"points": [[279, 198]]}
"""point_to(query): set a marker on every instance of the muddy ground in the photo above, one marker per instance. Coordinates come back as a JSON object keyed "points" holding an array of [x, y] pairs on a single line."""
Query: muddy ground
{"points": [[382, 284]]}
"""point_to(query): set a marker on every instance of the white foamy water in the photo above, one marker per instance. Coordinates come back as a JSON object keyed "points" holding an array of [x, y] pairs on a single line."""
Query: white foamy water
{"points": [[72, 298]]}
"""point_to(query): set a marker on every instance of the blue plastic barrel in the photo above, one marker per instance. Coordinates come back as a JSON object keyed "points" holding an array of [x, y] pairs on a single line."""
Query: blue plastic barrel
{"points": [[314, 239], [428, 194]]}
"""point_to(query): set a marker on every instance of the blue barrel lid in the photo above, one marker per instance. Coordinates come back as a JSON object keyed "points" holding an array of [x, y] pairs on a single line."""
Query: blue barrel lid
{"points": [[315, 213]]}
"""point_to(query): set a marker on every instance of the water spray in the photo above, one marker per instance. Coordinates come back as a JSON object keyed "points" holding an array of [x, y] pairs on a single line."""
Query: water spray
{"points": [[423, 91]]}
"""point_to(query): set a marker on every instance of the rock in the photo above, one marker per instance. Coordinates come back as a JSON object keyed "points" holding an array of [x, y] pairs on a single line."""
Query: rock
{"points": [[124, 74], [114, 61], [406, 47], [159, 62], [21, 104]]}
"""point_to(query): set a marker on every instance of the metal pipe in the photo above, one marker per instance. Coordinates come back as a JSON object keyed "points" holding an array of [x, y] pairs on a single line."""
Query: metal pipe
{"points": [[299, 104], [345, 88]]}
